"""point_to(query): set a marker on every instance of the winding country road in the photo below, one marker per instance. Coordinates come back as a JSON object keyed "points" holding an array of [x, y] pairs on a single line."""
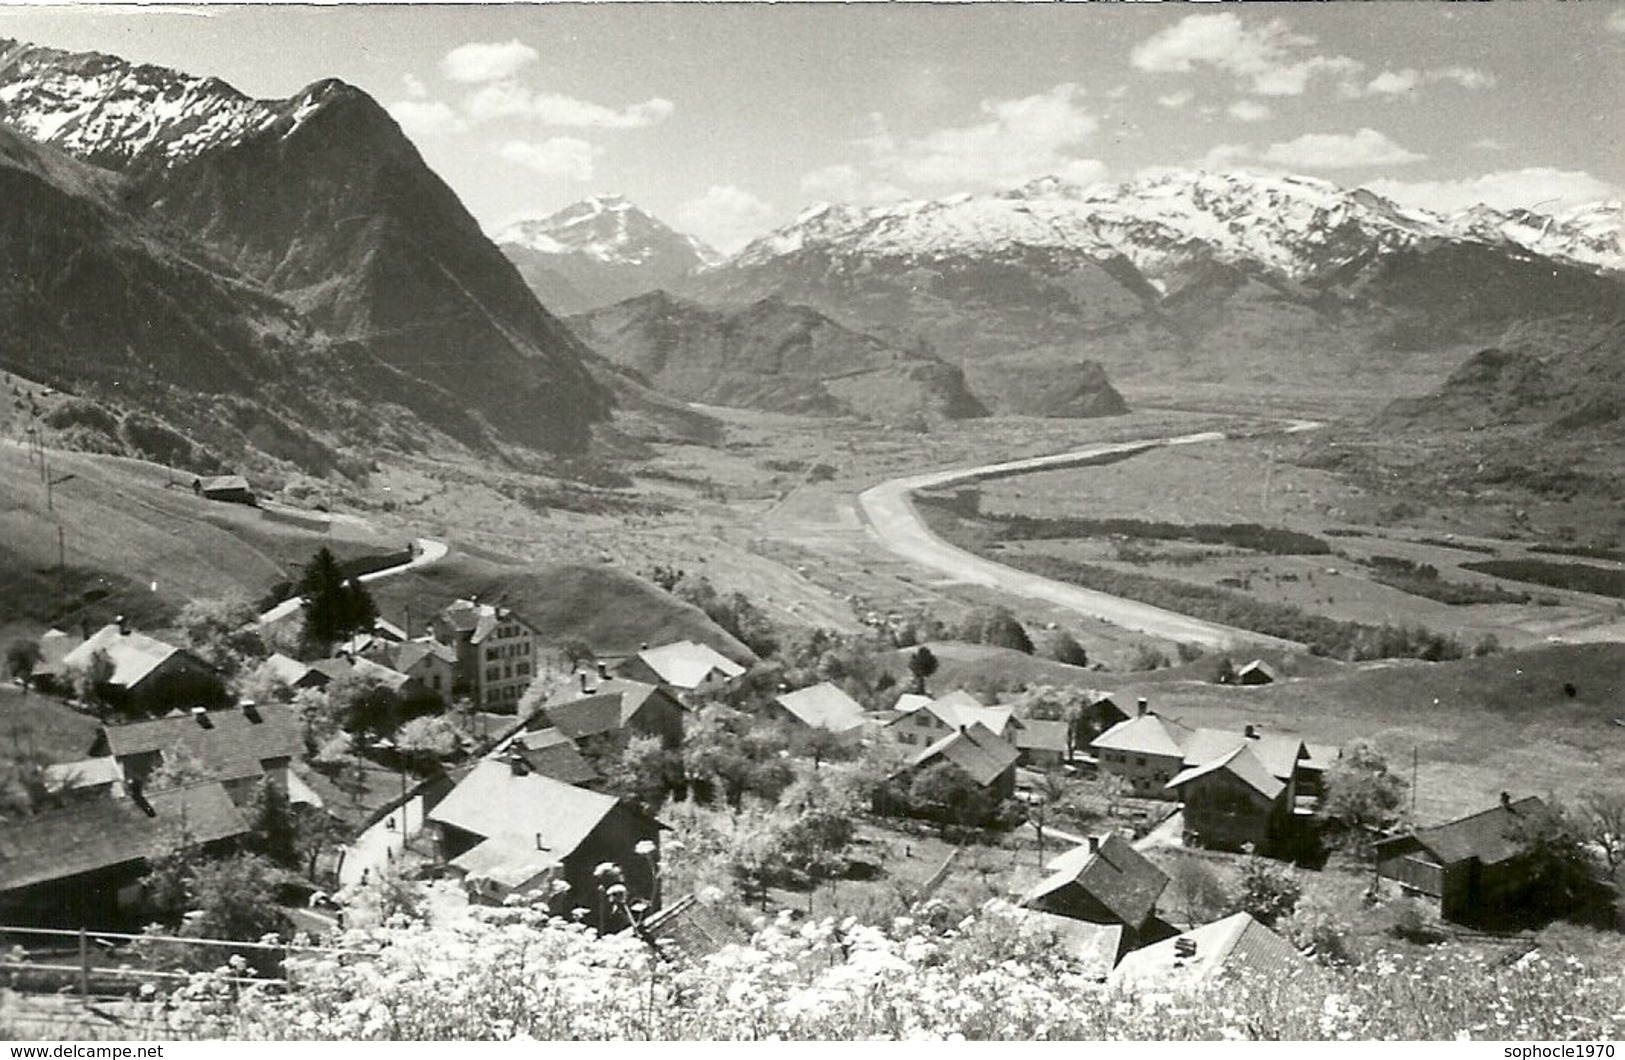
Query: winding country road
{"points": [[428, 551], [888, 510]]}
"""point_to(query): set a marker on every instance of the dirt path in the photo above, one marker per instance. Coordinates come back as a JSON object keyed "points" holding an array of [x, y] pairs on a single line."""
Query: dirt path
{"points": [[888, 510]]}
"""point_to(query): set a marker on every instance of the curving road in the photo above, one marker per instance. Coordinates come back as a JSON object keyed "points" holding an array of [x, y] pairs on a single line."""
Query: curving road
{"points": [[429, 551], [888, 509]]}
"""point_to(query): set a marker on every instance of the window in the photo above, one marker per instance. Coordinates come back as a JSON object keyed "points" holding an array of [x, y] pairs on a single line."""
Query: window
{"points": [[1139, 760], [434, 682], [522, 669], [492, 672], [490, 653], [922, 719]]}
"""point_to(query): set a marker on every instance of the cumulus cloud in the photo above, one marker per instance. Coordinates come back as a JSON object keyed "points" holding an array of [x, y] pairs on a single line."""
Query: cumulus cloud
{"points": [[1368, 147], [415, 88], [505, 99], [1175, 100], [477, 63], [1249, 110], [1543, 189], [421, 118], [1020, 138], [848, 184], [726, 216], [1402, 82], [562, 156], [1270, 57]]}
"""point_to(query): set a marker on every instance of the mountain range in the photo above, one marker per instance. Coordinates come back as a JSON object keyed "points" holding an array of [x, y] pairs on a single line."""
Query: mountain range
{"points": [[324, 229]]}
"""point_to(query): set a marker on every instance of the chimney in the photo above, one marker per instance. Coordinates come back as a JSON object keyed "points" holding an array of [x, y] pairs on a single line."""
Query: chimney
{"points": [[644, 646], [123, 626], [1140, 706], [84, 628], [603, 670], [583, 676], [1184, 948], [1094, 844], [251, 711], [201, 716], [1251, 732], [539, 844], [139, 797], [1506, 800], [517, 763], [964, 730]]}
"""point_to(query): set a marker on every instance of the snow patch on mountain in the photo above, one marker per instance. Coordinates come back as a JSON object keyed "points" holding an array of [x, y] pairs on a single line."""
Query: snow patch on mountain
{"points": [[610, 230]]}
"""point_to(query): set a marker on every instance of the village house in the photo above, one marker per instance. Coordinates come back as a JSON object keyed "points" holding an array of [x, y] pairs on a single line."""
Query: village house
{"points": [[1233, 802], [1237, 946], [1093, 948], [550, 753], [293, 673], [233, 489], [693, 669], [1475, 867], [1146, 750], [1042, 744], [985, 760], [81, 866], [147, 674], [235, 747], [506, 830], [1257, 672], [425, 660], [88, 778], [497, 653], [1105, 881], [1097, 713], [926, 724], [616, 708], [820, 706]]}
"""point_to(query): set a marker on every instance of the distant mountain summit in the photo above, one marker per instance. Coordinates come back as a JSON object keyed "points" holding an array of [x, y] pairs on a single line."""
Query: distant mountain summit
{"points": [[599, 251], [323, 200], [1182, 277]]}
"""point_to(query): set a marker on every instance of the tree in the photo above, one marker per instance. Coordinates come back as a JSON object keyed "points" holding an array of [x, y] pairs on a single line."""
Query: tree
{"points": [[23, 656], [1050, 794], [272, 833], [91, 682], [223, 632], [646, 771], [335, 607], [1063, 647], [1268, 892], [923, 665], [1363, 796], [999, 628], [234, 899], [430, 738], [1555, 843], [944, 793], [821, 745], [22, 776], [1196, 890], [363, 704], [1603, 815]]}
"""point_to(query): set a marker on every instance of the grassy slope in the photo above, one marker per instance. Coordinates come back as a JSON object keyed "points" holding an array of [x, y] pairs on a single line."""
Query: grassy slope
{"points": [[611, 610]]}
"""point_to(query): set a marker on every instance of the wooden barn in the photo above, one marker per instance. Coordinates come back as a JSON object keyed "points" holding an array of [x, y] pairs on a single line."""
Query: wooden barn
{"points": [[1474, 867]]}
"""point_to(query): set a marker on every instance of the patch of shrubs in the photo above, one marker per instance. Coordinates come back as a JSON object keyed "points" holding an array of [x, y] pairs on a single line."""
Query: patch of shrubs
{"points": [[1422, 579], [1579, 577], [1251, 536]]}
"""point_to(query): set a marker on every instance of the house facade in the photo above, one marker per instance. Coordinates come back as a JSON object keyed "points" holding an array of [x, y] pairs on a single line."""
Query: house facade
{"points": [[496, 650], [1233, 803], [1474, 867], [1146, 751]]}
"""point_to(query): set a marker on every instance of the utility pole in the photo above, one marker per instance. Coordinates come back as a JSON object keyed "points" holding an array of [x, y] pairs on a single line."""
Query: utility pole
{"points": [[1416, 758], [62, 568], [1269, 473]]}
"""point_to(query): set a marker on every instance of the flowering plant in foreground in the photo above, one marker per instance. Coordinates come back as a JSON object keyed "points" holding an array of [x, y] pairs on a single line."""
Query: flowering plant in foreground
{"points": [[514, 973]]}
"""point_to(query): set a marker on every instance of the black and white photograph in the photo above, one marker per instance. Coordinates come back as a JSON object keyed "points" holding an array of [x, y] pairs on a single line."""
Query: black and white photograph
{"points": [[817, 521]]}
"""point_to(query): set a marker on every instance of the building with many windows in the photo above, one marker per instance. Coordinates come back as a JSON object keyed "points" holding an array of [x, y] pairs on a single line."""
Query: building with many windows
{"points": [[497, 653]]}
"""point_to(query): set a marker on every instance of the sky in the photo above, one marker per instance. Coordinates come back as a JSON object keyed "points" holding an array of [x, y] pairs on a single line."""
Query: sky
{"points": [[726, 120]]}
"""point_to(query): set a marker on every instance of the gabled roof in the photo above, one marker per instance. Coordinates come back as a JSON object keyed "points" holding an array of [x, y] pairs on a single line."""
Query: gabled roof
{"points": [[1490, 835], [495, 801], [1114, 873], [134, 655], [506, 860], [412, 652], [959, 708], [1093, 946], [85, 773], [1146, 734], [477, 619], [823, 706], [685, 664], [589, 715], [284, 668], [1236, 944], [339, 668], [552, 754], [910, 701], [232, 746], [1042, 736], [1258, 668], [104, 833], [1279, 754], [974, 749], [1242, 763]]}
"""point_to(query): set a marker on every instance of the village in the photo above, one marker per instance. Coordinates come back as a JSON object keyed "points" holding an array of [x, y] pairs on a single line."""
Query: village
{"points": [[316, 762]]}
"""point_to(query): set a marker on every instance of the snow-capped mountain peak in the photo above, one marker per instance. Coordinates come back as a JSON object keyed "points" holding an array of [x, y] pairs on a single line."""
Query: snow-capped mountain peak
{"points": [[608, 229]]}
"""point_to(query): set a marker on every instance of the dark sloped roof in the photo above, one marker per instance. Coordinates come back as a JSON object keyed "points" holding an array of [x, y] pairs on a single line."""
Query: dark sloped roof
{"points": [[104, 833], [823, 706], [588, 716], [232, 746], [1118, 876], [1242, 763], [1490, 836], [982, 755], [559, 760]]}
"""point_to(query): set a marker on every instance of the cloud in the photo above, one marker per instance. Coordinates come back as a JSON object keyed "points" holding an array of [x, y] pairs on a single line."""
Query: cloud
{"points": [[847, 184], [1249, 110], [415, 89], [1021, 138], [1270, 56], [1402, 82], [1616, 20], [1541, 188], [1368, 147], [1175, 100], [1490, 143], [420, 118], [726, 216], [477, 63], [504, 99], [562, 156]]}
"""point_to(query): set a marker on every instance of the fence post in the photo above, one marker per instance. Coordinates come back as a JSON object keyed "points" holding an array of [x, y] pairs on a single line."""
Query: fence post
{"points": [[84, 967]]}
